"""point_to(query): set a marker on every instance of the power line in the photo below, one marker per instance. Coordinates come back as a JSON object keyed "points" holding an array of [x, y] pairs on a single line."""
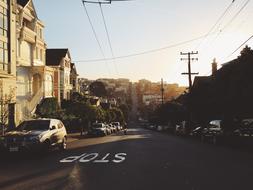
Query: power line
{"points": [[217, 22], [146, 52], [236, 15], [108, 36], [240, 46], [95, 35], [233, 18], [103, 2]]}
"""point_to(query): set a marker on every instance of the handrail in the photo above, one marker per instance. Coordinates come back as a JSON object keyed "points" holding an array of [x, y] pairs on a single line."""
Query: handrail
{"points": [[35, 100]]}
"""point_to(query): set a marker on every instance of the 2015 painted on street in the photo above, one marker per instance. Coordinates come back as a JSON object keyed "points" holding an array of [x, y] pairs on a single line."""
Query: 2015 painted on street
{"points": [[96, 158]]}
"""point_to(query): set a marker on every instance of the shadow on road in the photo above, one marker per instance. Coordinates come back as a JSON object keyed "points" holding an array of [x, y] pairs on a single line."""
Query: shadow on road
{"points": [[153, 160]]}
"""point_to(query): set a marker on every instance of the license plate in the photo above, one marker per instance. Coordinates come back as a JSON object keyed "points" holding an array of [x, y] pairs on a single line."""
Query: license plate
{"points": [[13, 149]]}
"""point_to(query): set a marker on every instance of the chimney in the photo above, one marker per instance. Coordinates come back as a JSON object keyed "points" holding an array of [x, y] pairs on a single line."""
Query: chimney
{"points": [[214, 66]]}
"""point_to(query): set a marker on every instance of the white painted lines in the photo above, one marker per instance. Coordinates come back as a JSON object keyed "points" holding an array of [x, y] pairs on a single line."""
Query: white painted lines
{"points": [[96, 158]]}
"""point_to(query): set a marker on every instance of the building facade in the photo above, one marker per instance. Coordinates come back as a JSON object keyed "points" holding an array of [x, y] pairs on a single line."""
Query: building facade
{"points": [[60, 61], [74, 79], [34, 78], [7, 62]]}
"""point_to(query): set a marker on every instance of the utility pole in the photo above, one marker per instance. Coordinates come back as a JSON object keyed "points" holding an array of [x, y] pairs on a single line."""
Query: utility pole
{"points": [[189, 59], [162, 91], [98, 2]]}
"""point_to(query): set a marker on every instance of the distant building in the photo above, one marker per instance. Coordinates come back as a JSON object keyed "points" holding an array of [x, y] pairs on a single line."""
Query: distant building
{"points": [[73, 78], [83, 85], [148, 99], [150, 92], [94, 101]]}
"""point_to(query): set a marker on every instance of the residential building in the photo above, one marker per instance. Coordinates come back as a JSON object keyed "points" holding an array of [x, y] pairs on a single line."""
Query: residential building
{"points": [[151, 99], [60, 61], [94, 101], [34, 78], [83, 85], [73, 78], [227, 93], [8, 60]]}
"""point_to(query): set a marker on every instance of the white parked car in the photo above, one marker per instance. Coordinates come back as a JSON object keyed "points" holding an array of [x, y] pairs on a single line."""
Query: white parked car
{"points": [[117, 125], [34, 134]]}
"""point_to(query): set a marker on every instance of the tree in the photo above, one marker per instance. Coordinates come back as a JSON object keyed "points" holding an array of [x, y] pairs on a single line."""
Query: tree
{"points": [[97, 88], [119, 116], [48, 107], [124, 108], [5, 100], [168, 112], [77, 97]]}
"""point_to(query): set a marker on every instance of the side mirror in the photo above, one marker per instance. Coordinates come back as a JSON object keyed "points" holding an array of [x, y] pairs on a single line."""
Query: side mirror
{"points": [[53, 127]]}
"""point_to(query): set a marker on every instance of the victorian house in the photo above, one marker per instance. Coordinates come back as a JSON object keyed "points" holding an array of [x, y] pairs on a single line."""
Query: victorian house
{"points": [[34, 79], [73, 78], [60, 61]]}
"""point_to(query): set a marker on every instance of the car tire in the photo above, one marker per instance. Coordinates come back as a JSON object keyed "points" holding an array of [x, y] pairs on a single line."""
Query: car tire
{"points": [[63, 145], [46, 145]]}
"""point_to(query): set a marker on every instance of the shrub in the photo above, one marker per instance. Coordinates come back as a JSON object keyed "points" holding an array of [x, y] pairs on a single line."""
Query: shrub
{"points": [[48, 107]]}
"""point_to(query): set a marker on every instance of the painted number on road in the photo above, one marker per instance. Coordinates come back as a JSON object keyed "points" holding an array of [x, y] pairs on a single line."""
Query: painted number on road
{"points": [[96, 158]]}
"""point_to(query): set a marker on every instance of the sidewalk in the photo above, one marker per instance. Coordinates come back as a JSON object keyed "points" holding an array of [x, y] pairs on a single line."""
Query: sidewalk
{"points": [[76, 136]]}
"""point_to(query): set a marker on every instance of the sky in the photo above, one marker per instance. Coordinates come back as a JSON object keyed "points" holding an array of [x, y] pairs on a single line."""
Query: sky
{"points": [[142, 25]]}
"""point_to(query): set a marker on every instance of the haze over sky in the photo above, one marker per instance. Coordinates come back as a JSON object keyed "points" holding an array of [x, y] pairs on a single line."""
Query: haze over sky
{"points": [[142, 25]]}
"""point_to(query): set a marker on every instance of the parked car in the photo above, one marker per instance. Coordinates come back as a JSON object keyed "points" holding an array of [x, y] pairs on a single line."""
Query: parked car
{"points": [[98, 129], [181, 128], [152, 127], [108, 129], [245, 128], [171, 127], [34, 134], [117, 125], [197, 132], [212, 131], [162, 128], [113, 128]]}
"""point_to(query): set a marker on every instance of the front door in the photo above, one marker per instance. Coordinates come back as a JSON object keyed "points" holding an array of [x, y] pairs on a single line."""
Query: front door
{"points": [[11, 115]]}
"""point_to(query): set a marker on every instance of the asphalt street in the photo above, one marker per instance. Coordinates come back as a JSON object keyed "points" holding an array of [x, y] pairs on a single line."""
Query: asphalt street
{"points": [[142, 159]]}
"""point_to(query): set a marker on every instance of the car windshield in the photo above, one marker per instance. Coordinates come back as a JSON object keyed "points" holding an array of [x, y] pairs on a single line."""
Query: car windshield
{"points": [[247, 123], [98, 125], [34, 125]]}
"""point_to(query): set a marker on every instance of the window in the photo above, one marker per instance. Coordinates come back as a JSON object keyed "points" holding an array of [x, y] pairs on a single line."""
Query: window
{"points": [[3, 21], [3, 55], [37, 53], [34, 125], [40, 33], [41, 55], [3, 43]]}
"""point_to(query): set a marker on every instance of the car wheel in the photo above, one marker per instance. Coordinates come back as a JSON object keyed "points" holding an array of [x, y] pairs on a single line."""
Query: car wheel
{"points": [[63, 145], [46, 145]]}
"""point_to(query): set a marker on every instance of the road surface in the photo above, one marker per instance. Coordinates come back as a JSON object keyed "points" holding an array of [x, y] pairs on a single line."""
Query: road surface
{"points": [[142, 159]]}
